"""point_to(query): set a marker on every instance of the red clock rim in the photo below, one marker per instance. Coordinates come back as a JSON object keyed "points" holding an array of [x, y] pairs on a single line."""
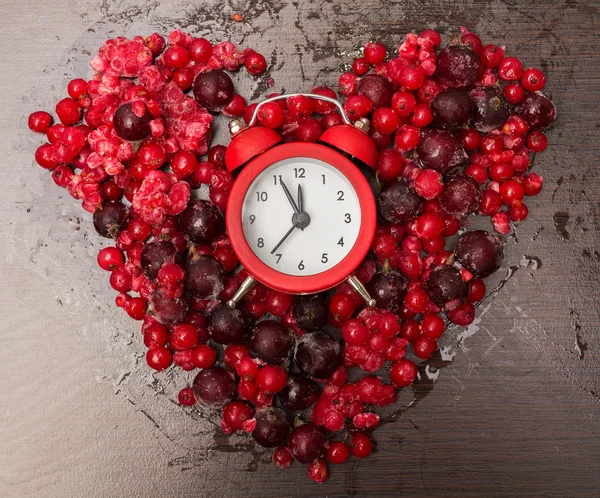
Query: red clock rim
{"points": [[290, 283]]}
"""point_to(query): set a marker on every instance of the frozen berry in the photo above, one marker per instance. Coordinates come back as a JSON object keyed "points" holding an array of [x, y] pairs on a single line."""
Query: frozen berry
{"points": [[39, 121], [310, 312], [388, 290], [129, 126], [307, 443], [440, 150], [270, 341], [109, 219], [168, 311], [201, 221], [538, 110], [204, 277], [398, 202], [214, 386], [226, 325], [452, 108], [299, 393], [457, 65], [155, 254], [213, 89], [445, 284], [461, 196], [378, 89], [272, 427], [490, 109], [318, 354]]}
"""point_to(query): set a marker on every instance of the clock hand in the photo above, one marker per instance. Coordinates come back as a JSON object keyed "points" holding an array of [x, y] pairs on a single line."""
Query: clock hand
{"points": [[300, 199], [289, 196], [283, 238]]}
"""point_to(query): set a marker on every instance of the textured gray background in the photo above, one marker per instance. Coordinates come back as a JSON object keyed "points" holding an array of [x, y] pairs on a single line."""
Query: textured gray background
{"points": [[516, 405]]}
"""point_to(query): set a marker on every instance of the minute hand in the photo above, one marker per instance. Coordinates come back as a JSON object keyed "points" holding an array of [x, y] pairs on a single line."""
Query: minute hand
{"points": [[283, 239], [289, 196]]}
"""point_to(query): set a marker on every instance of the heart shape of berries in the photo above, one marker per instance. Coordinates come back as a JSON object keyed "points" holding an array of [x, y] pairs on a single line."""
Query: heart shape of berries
{"points": [[455, 127]]}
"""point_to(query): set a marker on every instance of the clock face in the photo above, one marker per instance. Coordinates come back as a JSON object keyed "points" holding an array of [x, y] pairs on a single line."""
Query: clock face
{"points": [[308, 229]]}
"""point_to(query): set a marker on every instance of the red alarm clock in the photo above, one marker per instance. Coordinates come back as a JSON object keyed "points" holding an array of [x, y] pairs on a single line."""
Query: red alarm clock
{"points": [[301, 217]]}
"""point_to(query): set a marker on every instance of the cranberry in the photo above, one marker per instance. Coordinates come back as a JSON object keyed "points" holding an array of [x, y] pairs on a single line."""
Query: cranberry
{"points": [[511, 191], [410, 330], [412, 78], [491, 202], [422, 116], [375, 53], [176, 57], [533, 80], [514, 93], [282, 457], [255, 63], [348, 84], [476, 290], [473, 41], [68, 111], [120, 280], [462, 315], [500, 172], [159, 358], [432, 326], [518, 211], [110, 258], [358, 106], [44, 156], [271, 115], [537, 141], [337, 452], [355, 333], [429, 226], [361, 446], [186, 397], [532, 184], [234, 354], [321, 106], [470, 139], [403, 373], [390, 164], [200, 50], [407, 138], [430, 38], [385, 120], [39, 121], [424, 347], [235, 414], [361, 66], [403, 103]]}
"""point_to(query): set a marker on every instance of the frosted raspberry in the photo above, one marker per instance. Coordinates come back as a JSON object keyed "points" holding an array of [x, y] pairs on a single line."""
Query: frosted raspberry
{"points": [[155, 43], [225, 55], [366, 420], [113, 166], [152, 79], [408, 49], [501, 222], [159, 196], [157, 127], [99, 64], [125, 57], [373, 363], [178, 37]]}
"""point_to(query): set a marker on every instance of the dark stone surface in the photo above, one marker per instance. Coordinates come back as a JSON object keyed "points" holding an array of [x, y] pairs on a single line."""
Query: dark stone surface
{"points": [[512, 405]]}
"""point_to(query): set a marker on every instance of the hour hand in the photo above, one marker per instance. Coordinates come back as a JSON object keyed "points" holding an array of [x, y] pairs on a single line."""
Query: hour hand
{"points": [[289, 196], [300, 199]]}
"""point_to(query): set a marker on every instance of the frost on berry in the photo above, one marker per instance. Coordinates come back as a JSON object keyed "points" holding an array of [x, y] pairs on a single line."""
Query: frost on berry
{"points": [[122, 57], [225, 55], [335, 405], [187, 122], [160, 195]]}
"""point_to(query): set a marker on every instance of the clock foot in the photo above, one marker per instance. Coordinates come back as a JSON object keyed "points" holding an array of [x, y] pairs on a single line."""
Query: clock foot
{"points": [[246, 286], [360, 288]]}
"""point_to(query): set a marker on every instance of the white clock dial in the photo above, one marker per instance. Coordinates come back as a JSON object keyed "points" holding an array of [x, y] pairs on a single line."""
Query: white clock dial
{"points": [[329, 200]]}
